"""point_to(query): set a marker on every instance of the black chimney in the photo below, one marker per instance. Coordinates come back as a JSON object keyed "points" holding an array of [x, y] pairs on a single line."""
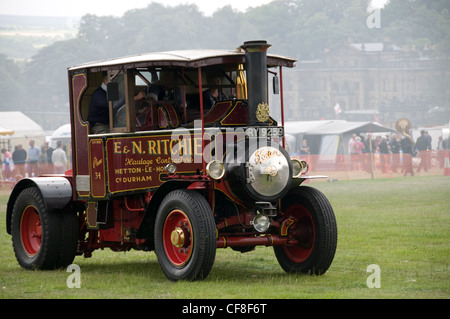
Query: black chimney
{"points": [[256, 67]]}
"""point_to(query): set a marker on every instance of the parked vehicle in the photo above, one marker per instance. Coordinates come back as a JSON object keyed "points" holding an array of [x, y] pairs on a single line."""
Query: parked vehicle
{"points": [[174, 174]]}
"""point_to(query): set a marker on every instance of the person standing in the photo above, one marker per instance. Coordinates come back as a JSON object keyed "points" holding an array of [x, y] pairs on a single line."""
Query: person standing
{"points": [[447, 142], [384, 155], [428, 139], [304, 148], [421, 146], [358, 148], [441, 151], [33, 159], [19, 157], [59, 159], [48, 151], [394, 144], [8, 163], [351, 151], [407, 147]]}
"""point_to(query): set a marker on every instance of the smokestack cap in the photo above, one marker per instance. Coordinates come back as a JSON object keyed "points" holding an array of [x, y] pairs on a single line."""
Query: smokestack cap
{"points": [[256, 46]]}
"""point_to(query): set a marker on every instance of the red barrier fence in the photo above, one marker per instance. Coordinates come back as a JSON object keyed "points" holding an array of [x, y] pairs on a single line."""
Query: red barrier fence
{"points": [[357, 166]]}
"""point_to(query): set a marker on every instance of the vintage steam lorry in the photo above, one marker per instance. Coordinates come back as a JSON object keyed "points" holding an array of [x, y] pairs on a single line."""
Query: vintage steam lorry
{"points": [[196, 166]]}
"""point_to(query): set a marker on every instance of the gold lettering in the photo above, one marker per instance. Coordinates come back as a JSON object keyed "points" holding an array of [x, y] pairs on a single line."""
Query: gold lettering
{"points": [[151, 147], [182, 148], [159, 147], [174, 150], [166, 151], [136, 147], [265, 154], [198, 146], [117, 147], [190, 147], [96, 162]]}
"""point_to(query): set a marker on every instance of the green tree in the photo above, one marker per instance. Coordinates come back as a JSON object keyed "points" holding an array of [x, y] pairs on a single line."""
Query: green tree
{"points": [[46, 74], [12, 87], [223, 27], [418, 23]]}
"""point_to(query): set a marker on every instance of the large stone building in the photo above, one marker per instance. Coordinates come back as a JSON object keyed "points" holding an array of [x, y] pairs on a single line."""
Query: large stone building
{"points": [[370, 81]]}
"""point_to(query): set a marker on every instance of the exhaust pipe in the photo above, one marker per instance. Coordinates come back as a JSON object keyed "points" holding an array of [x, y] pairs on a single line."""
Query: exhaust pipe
{"points": [[256, 66]]}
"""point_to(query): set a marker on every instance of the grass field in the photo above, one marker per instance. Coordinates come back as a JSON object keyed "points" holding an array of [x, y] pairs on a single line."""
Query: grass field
{"points": [[400, 224]]}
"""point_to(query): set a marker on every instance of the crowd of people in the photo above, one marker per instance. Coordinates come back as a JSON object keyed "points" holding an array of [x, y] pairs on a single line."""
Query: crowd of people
{"points": [[396, 152], [33, 162]]}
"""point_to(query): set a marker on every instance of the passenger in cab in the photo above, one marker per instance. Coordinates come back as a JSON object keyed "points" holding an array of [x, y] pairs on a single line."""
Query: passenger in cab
{"points": [[98, 117], [165, 89], [213, 94]]}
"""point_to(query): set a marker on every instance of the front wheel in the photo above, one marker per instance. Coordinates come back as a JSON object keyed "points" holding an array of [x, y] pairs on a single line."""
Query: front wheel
{"points": [[185, 236], [312, 225]]}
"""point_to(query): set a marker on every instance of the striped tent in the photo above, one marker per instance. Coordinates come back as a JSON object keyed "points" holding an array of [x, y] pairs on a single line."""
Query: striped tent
{"points": [[4, 132]]}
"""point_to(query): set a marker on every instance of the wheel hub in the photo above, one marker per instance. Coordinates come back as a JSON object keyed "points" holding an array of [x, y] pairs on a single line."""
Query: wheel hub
{"points": [[177, 237], [31, 231]]}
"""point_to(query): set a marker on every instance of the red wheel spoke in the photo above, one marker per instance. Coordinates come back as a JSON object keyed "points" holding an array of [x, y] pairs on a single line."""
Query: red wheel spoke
{"points": [[304, 232]]}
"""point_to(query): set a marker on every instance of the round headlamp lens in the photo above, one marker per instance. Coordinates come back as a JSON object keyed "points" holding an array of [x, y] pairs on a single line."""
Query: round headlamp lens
{"points": [[261, 223], [215, 169], [297, 167], [305, 167], [170, 168]]}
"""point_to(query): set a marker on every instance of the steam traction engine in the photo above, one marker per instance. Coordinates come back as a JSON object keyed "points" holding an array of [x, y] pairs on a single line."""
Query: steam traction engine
{"points": [[176, 173]]}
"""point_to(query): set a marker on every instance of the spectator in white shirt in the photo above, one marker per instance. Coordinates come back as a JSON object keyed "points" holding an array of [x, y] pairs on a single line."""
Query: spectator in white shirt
{"points": [[33, 158], [59, 159]]}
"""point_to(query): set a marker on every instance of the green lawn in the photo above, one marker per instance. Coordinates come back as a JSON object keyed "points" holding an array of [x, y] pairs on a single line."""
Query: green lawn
{"points": [[399, 224]]}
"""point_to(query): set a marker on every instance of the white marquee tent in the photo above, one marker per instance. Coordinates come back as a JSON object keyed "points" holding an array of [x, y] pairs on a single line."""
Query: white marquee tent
{"points": [[62, 134], [327, 138], [23, 128]]}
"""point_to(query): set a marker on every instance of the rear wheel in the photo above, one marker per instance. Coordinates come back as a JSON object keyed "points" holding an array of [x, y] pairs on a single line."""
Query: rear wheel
{"points": [[42, 239], [185, 236], [313, 226], [69, 238]]}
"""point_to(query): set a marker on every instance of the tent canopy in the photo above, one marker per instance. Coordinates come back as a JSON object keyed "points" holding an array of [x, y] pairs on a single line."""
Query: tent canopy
{"points": [[334, 127], [327, 137], [21, 124], [63, 133]]}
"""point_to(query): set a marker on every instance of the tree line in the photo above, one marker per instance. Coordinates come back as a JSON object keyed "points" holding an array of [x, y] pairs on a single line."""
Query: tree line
{"points": [[299, 28]]}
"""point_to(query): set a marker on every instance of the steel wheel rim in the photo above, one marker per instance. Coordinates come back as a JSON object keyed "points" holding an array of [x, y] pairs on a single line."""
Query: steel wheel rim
{"points": [[177, 238], [304, 232], [31, 230]]}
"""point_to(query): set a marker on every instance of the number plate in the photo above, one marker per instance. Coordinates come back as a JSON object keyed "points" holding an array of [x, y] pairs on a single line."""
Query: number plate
{"points": [[265, 131]]}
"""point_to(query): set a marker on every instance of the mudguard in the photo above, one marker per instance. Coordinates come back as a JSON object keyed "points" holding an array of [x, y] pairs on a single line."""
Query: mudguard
{"points": [[56, 192]]}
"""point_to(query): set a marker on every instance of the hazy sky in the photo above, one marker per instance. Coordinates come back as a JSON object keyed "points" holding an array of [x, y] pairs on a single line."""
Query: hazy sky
{"points": [[78, 8]]}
